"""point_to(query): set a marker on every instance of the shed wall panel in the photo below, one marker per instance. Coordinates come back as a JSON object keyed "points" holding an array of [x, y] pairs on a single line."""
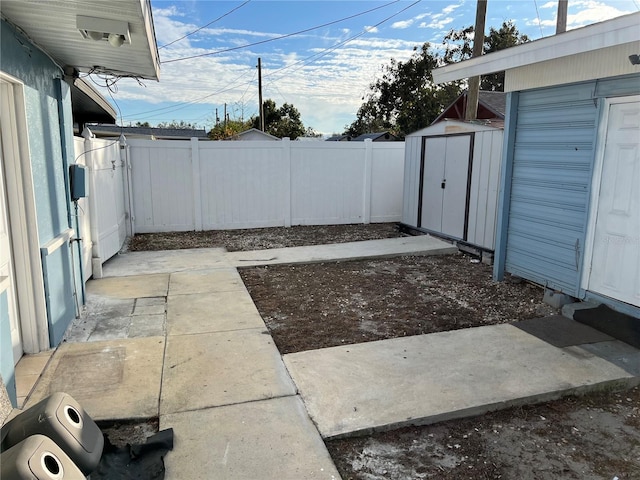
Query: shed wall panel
{"points": [[552, 162], [412, 155]]}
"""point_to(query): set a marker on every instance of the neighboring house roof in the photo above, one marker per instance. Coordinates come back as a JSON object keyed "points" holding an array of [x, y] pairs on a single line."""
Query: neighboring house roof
{"points": [[88, 105], [376, 137], [148, 132], [490, 105], [65, 30], [610, 33], [339, 138], [253, 134]]}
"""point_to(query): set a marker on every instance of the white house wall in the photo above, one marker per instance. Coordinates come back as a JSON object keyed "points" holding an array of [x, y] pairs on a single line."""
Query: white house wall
{"points": [[607, 62]]}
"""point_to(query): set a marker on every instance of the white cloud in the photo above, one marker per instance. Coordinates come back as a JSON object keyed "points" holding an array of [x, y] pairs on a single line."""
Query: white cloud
{"points": [[371, 29], [437, 24], [550, 5], [402, 24]]}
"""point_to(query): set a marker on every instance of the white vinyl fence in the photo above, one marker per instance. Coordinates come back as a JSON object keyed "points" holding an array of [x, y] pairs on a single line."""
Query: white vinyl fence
{"points": [[198, 185], [102, 215]]}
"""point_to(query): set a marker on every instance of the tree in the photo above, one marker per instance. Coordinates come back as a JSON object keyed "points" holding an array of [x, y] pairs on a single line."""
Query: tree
{"points": [[459, 47], [225, 130], [405, 99], [281, 122], [142, 124], [182, 125]]}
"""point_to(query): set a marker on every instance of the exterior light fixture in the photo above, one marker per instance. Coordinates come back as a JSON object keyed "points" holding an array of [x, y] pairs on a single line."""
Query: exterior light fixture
{"points": [[116, 32], [634, 59], [115, 39]]}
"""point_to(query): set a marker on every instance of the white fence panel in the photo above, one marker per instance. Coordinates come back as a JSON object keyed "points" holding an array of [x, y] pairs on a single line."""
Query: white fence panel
{"points": [[387, 181], [242, 184], [162, 185], [327, 183], [84, 214], [102, 216], [106, 197], [192, 185]]}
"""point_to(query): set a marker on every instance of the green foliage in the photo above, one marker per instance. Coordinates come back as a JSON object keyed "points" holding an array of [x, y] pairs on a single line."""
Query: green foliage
{"points": [[281, 122], [405, 99], [459, 47], [182, 125], [142, 124], [226, 130]]}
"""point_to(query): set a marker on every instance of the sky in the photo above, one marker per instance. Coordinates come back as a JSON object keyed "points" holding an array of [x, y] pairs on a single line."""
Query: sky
{"points": [[330, 54]]}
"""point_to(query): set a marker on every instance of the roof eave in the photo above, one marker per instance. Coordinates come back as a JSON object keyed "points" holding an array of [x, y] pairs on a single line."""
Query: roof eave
{"points": [[605, 34]]}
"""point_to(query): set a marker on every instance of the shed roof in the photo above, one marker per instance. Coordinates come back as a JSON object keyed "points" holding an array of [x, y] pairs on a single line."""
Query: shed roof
{"points": [[617, 31], [448, 126]]}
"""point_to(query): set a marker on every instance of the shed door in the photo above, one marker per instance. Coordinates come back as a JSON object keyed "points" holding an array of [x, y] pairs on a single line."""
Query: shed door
{"points": [[445, 179], [7, 277], [615, 264]]}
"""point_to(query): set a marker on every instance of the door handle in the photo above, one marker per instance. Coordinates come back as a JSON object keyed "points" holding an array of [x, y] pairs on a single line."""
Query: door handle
{"points": [[443, 184]]}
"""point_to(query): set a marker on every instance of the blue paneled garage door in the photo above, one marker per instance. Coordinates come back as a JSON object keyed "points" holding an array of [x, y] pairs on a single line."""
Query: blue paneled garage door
{"points": [[552, 166]]}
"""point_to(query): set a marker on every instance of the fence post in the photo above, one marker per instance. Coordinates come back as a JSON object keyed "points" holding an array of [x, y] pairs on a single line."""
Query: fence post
{"points": [[195, 180], [368, 165], [128, 191], [286, 160], [96, 260]]}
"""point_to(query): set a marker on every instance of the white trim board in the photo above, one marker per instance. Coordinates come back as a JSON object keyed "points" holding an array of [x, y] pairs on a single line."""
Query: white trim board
{"points": [[610, 33], [22, 211]]}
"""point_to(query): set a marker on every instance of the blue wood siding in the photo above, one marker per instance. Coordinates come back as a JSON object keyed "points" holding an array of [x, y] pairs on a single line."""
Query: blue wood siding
{"points": [[546, 205], [552, 163]]}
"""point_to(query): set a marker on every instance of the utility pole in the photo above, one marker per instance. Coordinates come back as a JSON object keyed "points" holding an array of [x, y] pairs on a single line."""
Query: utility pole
{"points": [[224, 118], [561, 22], [260, 94], [478, 42]]}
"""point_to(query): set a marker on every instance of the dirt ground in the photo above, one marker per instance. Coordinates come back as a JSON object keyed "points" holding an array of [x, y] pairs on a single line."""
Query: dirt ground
{"points": [[324, 305], [263, 238], [320, 305]]}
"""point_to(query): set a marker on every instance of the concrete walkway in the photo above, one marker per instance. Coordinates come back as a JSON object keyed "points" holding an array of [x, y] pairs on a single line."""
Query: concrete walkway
{"points": [[175, 335]]}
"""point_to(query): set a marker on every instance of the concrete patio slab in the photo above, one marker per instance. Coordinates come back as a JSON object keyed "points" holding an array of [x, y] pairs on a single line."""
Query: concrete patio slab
{"points": [[420, 245], [131, 286], [164, 261], [430, 378], [206, 281], [215, 369], [212, 312], [268, 440], [115, 380], [147, 326]]}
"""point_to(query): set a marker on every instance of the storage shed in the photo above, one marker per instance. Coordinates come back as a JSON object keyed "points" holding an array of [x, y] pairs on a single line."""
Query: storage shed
{"points": [[569, 207], [451, 177]]}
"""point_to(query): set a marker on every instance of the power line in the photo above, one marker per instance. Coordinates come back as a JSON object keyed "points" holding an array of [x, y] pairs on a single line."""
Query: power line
{"points": [[205, 26], [281, 36], [539, 21], [326, 51]]}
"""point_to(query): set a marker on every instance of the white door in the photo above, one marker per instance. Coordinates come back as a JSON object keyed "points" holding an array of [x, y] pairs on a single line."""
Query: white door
{"points": [[444, 187], [615, 263], [7, 277]]}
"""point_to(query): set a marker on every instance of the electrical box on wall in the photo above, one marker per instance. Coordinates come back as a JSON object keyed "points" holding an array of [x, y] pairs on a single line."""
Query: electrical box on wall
{"points": [[79, 178]]}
